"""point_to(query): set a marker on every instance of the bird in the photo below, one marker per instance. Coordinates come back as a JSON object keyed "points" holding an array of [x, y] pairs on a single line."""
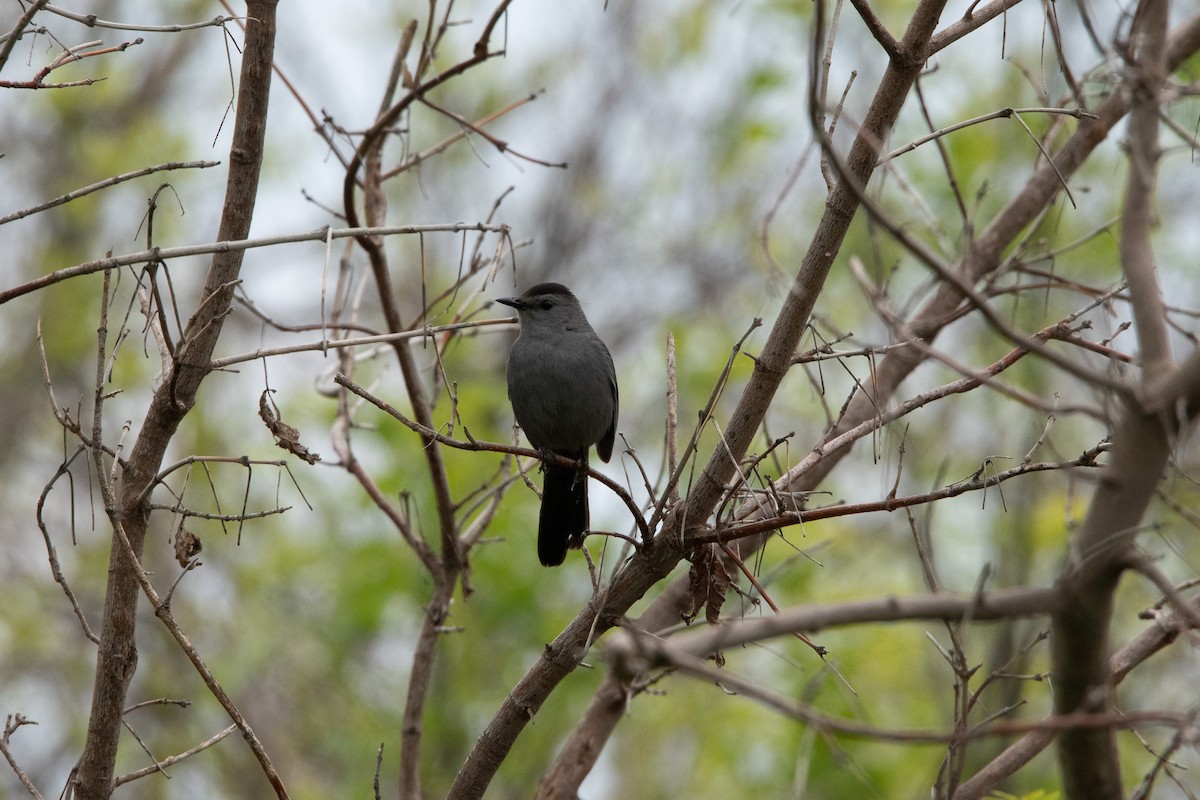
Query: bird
{"points": [[563, 389]]}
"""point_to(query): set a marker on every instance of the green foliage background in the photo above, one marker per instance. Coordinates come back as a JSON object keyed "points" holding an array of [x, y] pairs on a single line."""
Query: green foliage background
{"points": [[681, 124]]}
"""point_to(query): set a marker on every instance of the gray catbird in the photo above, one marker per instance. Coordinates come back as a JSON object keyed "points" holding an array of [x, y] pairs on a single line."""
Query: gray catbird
{"points": [[563, 390]]}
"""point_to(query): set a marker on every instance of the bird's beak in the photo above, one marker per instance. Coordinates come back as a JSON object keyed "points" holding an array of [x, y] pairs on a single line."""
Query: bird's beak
{"points": [[511, 302]]}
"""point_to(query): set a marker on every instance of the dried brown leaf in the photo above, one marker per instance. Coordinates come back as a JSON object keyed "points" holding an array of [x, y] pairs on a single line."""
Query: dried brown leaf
{"points": [[285, 435]]}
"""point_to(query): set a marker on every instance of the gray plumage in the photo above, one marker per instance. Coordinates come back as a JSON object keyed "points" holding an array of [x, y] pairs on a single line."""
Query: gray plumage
{"points": [[563, 390]]}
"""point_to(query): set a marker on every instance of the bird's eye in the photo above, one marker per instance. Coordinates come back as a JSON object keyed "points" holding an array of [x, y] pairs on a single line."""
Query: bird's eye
{"points": [[546, 305]]}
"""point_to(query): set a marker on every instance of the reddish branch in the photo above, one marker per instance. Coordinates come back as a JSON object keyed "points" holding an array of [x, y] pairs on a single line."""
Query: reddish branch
{"points": [[68, 56]]}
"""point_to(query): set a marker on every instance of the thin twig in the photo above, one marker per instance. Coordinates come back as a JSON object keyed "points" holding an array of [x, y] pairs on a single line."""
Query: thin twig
{"points": [[358, 341], [175, 759], [8, 42], [977, 482], [165, 253], [104, 184], [478, 446], [11, 723], [92, 21]]}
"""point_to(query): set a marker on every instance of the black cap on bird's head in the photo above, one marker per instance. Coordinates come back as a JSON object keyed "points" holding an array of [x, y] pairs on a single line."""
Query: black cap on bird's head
{"points": [[545, 295]]}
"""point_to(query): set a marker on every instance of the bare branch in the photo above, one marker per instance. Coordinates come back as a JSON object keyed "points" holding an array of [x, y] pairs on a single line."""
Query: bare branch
{"points": [[11, 723], [972, 20], [877, 29], [233, 246], [8, 42], [117, 659], [1141, 447], [92, 21], [358, 341], [1158, 635], [1003, 604], [75, 53], [175, 759], [977, 482], [476, 445], [104, 184], [1004, 113]]}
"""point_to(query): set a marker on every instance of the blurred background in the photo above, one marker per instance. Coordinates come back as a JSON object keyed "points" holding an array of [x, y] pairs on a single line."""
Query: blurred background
{"points": [[691, 189]]}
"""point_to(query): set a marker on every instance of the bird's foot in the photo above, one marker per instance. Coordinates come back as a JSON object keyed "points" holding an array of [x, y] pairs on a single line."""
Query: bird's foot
{"points": [[549, 457]]}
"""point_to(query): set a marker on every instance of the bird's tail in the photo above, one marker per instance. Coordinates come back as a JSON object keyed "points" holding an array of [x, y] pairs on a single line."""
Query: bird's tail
{"points": [[564, 514]]}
